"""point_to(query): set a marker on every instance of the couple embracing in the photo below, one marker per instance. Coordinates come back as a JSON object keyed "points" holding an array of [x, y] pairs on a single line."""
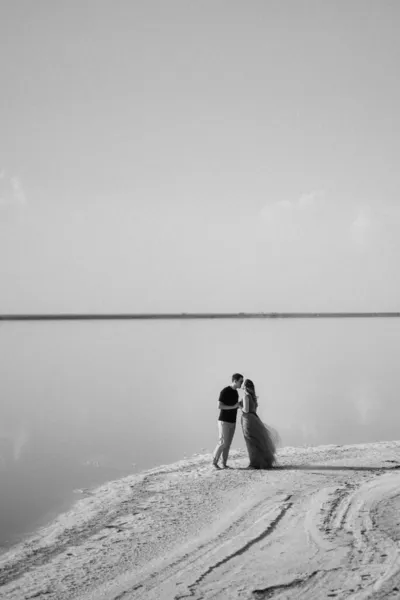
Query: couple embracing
{"points": [[260, 440]]}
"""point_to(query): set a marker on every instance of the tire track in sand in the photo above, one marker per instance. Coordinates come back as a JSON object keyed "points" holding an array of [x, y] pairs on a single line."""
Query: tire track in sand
{"points": [[351, 557], [288, 534], [319, 539], [285, 506]]}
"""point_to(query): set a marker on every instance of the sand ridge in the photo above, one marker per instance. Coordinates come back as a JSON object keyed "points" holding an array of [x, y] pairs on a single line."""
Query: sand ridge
{"points": [[322, 524]]}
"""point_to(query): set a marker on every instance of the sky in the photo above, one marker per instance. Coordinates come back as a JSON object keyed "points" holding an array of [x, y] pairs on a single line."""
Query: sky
{"points": [[199, 156]]}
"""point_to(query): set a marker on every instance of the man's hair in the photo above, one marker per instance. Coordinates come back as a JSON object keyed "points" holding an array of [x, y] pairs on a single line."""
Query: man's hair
{"points": [[237, 377]]}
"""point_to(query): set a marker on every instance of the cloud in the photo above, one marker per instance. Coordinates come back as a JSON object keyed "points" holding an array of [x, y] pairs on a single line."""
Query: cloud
{"points": [[18, 191], [310, 199], [12, 193], [270, 213], [285, 208], [360, 228], [284, 204]]}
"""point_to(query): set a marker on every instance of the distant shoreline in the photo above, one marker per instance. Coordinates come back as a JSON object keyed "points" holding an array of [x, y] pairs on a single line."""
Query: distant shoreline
{"points": [[192, 316]]}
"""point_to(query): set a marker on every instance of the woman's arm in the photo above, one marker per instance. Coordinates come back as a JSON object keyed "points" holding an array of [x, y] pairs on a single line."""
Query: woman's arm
{"points": [[246, 403]]}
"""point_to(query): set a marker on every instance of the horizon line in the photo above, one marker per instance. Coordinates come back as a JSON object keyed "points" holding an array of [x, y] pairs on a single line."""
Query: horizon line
{"points": [[189, 316]]}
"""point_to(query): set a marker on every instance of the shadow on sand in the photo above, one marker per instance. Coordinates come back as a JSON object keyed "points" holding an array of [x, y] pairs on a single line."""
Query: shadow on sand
{"points": [[323, 468]]}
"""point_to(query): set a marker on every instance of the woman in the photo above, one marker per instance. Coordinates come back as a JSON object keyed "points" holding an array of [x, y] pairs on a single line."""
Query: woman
{"points": [[260, 440]]}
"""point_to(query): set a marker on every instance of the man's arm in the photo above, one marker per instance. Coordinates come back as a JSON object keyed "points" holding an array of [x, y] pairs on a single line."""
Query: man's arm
{"points": [[223, 406]]}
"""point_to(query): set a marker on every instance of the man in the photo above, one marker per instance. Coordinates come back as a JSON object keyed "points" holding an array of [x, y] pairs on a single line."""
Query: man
{"points": [[228, 405]]}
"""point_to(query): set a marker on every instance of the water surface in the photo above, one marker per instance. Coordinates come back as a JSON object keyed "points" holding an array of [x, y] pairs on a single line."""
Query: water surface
{"points": [[84, 402]]}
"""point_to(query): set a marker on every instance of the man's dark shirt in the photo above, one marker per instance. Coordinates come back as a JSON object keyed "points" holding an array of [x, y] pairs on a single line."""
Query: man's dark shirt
{"points": [[228, 396]]}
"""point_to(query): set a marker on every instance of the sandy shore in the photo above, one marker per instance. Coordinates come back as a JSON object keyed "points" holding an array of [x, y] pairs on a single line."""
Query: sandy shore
{"points": [[324, 524]]}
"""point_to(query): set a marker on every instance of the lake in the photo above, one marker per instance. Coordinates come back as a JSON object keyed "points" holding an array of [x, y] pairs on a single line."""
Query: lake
{"points": [[84, 402]]}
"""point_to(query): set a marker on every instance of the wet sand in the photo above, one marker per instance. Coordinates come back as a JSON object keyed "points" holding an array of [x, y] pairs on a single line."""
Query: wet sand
{"points": [[324, 524]]}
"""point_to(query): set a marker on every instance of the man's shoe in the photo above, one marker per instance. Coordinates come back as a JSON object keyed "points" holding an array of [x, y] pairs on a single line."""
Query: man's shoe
{"points": [[215, 465], [226, 467]]}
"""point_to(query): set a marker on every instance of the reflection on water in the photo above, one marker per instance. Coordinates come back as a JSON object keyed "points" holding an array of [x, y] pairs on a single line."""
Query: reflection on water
{"points": [[85, 402]]}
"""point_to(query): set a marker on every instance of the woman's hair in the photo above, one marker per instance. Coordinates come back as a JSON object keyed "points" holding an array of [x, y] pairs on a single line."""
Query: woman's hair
{"points": [[249, 385]]}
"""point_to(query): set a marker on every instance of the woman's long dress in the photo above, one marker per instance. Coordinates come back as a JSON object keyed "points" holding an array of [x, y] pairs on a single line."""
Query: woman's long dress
{"points": [[261, 441]]}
